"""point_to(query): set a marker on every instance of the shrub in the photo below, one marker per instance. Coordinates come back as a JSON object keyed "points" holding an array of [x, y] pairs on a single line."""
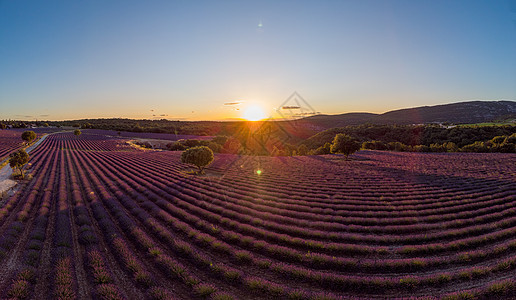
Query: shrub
{"points": [[511, 139], [396, 146], [160, 293], [191, 143], [109, 291], [204, 290], [421, 148], [324, 149], [302, 150], [176, 146], [498, 139], [222, 296], [374, 145], [19, 289], [145, 145], [215, 147], [462, 295], [475, 147], [500, 288], [505, 148]]}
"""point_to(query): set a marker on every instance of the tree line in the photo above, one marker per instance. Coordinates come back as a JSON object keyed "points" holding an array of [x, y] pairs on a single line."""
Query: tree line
{"points": [[422, 138], [374, 137]]}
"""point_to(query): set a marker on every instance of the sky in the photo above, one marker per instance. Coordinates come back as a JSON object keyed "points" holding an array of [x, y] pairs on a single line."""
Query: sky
{"points": [[194, 60]]}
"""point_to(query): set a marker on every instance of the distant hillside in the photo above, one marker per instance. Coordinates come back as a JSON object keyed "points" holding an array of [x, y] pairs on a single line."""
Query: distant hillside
{"points": [[456, 113], [297, 130], [328, 121]]}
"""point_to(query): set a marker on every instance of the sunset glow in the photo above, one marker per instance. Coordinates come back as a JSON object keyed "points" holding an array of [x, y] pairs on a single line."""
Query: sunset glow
{"points": [[254, 113], [73, 60]]}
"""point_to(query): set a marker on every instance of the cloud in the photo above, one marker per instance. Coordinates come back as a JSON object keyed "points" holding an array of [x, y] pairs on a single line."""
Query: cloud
{"points": [[233, 103]]}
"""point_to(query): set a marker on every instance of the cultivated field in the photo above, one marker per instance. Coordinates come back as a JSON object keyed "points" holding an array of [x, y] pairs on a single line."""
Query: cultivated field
{"points": [[101, 219], [10, 140]]}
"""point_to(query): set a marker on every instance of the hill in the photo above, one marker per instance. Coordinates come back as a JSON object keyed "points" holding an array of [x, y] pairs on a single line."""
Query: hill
{"points": [[456, 113]]}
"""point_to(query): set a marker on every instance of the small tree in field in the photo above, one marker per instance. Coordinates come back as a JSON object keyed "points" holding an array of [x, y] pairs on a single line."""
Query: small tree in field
{"points": [[28, 136], [77, 132], [345, 144], [200, 156], [19, 159]]}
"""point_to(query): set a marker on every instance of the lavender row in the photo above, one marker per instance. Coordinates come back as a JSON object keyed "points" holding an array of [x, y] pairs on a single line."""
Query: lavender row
{"points": [[196, 204]]}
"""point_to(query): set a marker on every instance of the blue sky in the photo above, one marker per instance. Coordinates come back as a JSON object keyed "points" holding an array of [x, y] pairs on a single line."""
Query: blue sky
{"points": [[185, 59]]}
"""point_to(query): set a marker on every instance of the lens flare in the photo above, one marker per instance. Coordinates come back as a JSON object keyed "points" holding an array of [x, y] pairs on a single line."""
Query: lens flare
{"points": [[254, 113]]}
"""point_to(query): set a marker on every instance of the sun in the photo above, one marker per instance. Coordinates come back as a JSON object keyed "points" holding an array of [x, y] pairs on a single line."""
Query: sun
{"points": [[254, 113]]}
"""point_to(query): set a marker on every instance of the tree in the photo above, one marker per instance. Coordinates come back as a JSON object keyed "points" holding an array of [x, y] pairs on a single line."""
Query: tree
{"points": [[396, 146], [215, 147], [77, 132], [511, 139], [302, 150], [477, 146], [200, 156], [324, 149], [374, 145], [451, 147], [28, 136], [345, 144], [498, 139], [176, 146], [421, 148], [2, 126], [19, 159], [191, 143]]}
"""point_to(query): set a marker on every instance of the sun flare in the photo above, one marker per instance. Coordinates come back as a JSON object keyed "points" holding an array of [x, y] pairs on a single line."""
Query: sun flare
{"points": [[254, 113]]}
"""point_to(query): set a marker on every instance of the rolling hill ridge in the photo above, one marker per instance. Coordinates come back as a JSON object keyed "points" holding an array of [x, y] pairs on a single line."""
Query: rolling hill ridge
{"points": [[457, 113]]}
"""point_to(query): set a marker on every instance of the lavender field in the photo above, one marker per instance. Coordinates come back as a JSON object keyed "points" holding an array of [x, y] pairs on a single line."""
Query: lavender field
{"points": [[146, 135], [10, 140], [103, 220]]}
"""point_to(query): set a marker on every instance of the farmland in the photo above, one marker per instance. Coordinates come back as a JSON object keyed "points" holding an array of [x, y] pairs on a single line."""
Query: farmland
{"points": [[10, 140], [100, 219]]}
